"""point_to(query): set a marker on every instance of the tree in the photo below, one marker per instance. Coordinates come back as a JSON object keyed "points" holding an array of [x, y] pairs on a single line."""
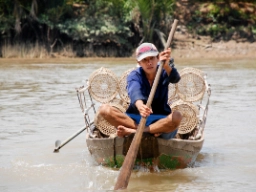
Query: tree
{"points": [[155, 17]]}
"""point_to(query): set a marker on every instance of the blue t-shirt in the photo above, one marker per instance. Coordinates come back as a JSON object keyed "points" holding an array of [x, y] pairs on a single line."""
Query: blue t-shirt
{"points": [[139, 88]]}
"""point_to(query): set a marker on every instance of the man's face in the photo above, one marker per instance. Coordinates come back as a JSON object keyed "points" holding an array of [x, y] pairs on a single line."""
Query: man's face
{"points": [[149, 64]]}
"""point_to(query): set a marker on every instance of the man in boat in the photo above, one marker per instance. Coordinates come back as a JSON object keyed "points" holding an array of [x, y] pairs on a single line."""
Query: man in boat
{"points": [[161, 121]]}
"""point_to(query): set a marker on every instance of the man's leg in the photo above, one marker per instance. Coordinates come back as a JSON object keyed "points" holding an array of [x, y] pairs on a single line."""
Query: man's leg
{"points": [[124, 124], [127, 125], [115, 117], [165, 125]]}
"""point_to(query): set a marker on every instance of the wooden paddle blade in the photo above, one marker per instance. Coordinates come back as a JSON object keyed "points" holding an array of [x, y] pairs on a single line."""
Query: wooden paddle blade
{"points": [[57, 146], [127, 167]]}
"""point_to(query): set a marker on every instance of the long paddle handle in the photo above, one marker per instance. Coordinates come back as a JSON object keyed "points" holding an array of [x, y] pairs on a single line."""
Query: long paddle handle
{"points": [[58, 143], [125, 172]]}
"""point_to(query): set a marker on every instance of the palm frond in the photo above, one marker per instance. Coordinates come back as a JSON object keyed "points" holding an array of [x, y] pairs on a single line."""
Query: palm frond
{"points": [[34, 9], [17, 13], [147, 8]]}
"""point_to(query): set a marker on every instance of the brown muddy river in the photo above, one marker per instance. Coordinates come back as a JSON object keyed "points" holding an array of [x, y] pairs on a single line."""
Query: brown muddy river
{"points": [[38, 105]]}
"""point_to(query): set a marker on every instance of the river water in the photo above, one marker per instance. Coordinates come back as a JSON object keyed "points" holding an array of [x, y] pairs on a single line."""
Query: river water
{"points": [[38, 105]]}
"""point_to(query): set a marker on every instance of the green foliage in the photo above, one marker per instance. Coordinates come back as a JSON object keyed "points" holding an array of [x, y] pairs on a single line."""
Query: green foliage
{"points": [[7, 19], [101, 30], [57, 13], [223, 18], [254, 30], [111, 21], [146, 8], [115, 8], [100, 22], [6, 8], [6, 24], [214, 9], [155, 14]]}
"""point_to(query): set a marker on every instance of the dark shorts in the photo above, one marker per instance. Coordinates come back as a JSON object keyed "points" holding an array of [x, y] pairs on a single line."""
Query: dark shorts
{"points": [[151, 119]]}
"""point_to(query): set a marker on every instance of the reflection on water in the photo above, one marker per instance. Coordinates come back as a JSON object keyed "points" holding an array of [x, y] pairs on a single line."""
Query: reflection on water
{"points": [[39, 105]]}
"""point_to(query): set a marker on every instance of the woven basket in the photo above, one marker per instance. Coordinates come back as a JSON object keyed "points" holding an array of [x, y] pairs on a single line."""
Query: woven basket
{"points": [[102, 124], [103, 85], [189, 116], [174, 99], [191, 86], [119, 104], [172, 90], [122, 83]]}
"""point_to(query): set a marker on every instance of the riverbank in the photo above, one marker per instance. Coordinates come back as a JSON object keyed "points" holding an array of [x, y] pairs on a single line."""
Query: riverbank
{"points": [[183, 47], [186, 46], [88, 29], [217, 50]]}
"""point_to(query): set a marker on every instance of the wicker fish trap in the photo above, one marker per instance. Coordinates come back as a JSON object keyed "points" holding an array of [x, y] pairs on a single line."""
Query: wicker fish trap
{"points": [[189, 114], [191, 86], [172, 90], [119, 104], [122, 83], [173, 100], [103, 85], [104, 126]]}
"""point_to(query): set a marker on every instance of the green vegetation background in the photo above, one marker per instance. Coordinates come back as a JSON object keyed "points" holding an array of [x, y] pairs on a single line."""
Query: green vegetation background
{"points": [[113, 28]]}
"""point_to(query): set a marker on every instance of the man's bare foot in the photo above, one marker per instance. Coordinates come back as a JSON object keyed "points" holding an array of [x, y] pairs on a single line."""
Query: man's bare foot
{"points": [[124, 131], [157, 134]]}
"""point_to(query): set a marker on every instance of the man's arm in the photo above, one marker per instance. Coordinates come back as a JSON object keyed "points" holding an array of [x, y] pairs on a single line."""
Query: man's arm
{"points": [[134, 87]]}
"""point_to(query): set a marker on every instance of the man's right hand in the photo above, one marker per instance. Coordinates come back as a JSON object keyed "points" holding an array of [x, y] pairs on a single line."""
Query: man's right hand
{"points": [[143, 109]]}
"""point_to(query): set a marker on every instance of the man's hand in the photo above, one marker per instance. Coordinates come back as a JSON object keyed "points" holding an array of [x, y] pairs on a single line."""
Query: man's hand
{"points": [[165, 57], [143, 109]]}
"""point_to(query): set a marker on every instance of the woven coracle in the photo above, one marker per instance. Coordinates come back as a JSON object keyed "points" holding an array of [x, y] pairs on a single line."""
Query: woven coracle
{"points": [[191, 86], [189, 116], [102, 124], [103, 85], [122, 83]]}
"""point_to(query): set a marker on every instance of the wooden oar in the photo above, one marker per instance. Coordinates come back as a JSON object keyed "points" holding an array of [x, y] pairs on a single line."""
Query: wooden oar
{"points": [[125, 172]]}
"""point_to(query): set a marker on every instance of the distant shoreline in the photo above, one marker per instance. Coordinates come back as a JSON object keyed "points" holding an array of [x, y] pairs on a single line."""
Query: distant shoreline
{"points": [[230, 49], [187, 49], [202, 47]]}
